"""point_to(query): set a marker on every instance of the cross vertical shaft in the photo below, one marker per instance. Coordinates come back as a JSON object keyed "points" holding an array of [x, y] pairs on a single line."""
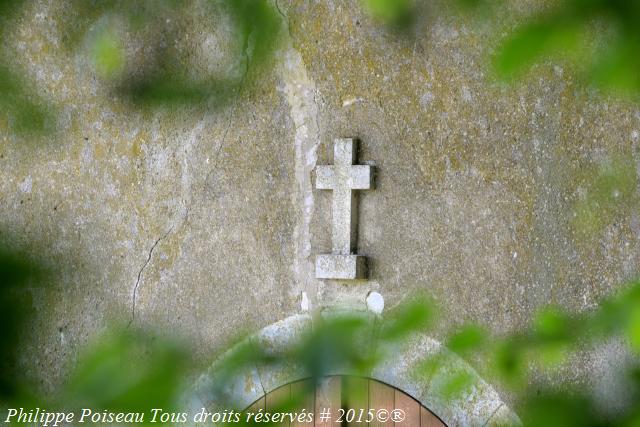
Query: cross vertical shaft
{"points": [[344, 222]]}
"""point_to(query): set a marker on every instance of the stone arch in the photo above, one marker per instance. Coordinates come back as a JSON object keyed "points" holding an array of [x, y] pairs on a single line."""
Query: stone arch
{"points": [[481, 406]]}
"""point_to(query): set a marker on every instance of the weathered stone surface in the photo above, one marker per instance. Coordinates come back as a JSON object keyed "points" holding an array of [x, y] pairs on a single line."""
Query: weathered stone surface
{"points": [[204, 222], [181, 219], [476, 182]]}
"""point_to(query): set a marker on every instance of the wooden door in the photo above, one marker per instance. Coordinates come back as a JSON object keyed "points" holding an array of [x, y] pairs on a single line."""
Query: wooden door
{"points": [[344, 401]]}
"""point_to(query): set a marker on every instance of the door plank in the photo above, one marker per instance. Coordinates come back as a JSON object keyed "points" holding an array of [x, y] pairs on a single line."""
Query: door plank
{"points": [[427, 419], [358, 394], [328, 397], [410, 407], [355, 398], [276, 401], [381, 396], [303, 390]]}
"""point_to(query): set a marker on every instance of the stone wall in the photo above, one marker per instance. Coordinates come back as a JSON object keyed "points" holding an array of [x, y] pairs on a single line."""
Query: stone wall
{"points": [[204, 221]]}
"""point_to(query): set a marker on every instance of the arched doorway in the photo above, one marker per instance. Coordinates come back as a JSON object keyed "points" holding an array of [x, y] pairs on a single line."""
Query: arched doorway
{"points": [[343, 400], [478, 406]]}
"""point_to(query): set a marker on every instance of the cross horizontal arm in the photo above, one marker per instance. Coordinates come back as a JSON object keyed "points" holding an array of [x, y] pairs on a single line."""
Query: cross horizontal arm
{"points": [[360, 177], [325, 178]]}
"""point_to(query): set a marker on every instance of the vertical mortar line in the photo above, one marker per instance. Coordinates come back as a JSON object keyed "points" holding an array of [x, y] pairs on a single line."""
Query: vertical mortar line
{"points": [[300, 93]]}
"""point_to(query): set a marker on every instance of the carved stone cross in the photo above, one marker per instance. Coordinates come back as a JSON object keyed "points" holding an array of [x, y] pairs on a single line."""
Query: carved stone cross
{"points": [[343, 178]]}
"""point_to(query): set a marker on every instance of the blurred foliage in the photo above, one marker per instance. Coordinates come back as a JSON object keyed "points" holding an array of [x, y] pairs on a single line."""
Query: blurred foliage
{"points": [[348, 341], [108, 53], [166, 77], [417, 313], [125, 370], [601, 36], [18, 273], [23, 111], [551, 341], [608, 195], [129, 371], [466, 339], [103, 30], [394, 13]]}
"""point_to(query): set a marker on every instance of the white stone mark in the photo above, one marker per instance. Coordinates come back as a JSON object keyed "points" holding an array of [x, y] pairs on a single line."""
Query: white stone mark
{"points": [[25, 186], [304, 304], [375, 302], [347, 102], [343, 178]]}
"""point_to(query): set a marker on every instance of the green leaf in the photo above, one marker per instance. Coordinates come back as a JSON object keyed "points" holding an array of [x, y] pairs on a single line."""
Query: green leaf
{"points": [[108, 53], [128, 371], [18, 275], [551, 324], [258, 25], [533, 41], [26, 113], [610, 195], [633, 328], [455, 384], [337, 343], [618, 67], [551, 355], [469, 338], [391, 12], [509, 363], [415, 315], [554, 409]]}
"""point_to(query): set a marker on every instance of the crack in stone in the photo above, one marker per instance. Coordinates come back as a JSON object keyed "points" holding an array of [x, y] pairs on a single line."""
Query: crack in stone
{"points": [[232, 113], [139, 278]]}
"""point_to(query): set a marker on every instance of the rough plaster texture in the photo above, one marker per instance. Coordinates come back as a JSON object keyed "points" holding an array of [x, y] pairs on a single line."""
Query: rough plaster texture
{"points": [[204, 221]]}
